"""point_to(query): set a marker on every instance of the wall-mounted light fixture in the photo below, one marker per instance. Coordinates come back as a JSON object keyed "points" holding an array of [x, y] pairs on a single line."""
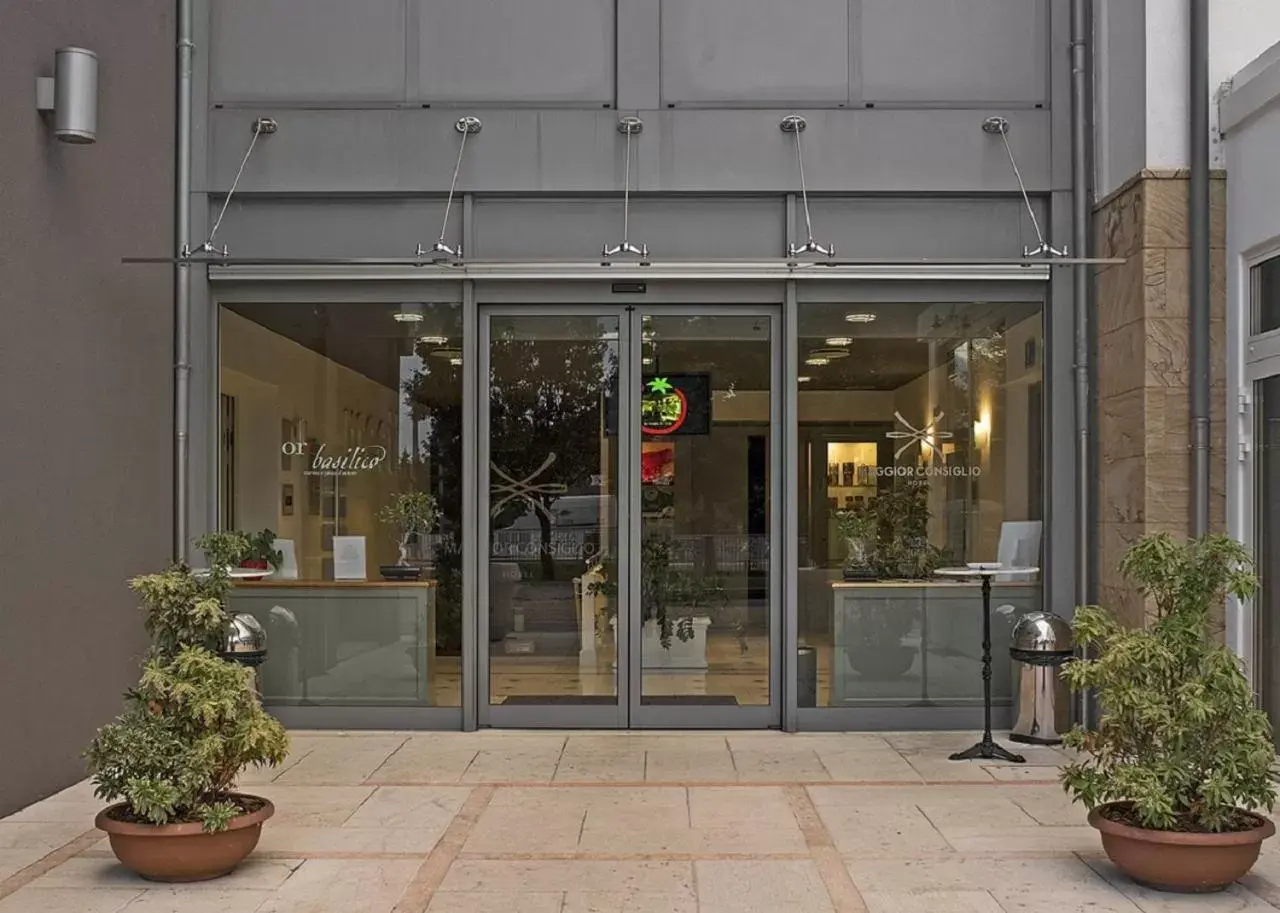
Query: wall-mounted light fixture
{"points": [[71, 93]]}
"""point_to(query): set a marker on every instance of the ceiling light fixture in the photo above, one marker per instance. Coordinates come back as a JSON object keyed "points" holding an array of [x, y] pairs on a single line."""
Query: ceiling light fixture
{"points": [[830, 354], [408, 314], [433, 340], [449, 354], [839, 340], [803, 379], [860, 318], [817, 361]]}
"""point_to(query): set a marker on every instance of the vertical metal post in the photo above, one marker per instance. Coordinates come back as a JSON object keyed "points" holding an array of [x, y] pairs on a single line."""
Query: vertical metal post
{"points": [[789, 503], [1080, 200], [182, 289], [1198, 230], [474, 551]]}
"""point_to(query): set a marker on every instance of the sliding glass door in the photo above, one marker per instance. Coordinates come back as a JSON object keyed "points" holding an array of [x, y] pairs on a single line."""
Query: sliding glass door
{"points": [[628, 510]]}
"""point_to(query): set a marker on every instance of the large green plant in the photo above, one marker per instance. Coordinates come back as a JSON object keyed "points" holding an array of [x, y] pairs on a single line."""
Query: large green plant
{"points": [[1181, 742], [194, 720]]}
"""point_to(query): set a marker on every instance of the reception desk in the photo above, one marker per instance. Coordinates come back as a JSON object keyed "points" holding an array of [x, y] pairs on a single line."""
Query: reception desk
{"points": [[344, 643], [919, 642]]}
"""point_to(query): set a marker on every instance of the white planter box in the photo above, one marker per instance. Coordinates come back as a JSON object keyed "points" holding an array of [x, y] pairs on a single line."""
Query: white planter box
{"points": [[682, 656]]}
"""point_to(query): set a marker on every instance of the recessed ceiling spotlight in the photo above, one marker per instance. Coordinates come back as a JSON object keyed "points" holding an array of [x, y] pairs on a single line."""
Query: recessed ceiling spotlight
{"points": [[839, 340], [433, 340], [455, 360], [803, 379], [647, 360], [407, 317], [860, 318], [817, 361], [830, 354]]}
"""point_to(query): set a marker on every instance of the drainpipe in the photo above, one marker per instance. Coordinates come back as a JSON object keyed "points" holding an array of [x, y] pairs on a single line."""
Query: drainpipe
{"points": [[182, 288], [1080, 138], [1199, 268]]}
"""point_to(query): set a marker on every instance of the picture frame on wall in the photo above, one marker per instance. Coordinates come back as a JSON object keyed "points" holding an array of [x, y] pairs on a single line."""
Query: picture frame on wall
{"points": [[286, 500]]}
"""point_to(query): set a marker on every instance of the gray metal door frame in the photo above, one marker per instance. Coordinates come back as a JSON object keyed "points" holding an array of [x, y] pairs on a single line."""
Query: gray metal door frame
{"points": [[629, 711]]}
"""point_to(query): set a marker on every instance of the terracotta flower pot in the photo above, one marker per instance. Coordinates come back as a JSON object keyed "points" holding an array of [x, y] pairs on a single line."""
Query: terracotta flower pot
{"points": [[183, 852], [1177, 861]]}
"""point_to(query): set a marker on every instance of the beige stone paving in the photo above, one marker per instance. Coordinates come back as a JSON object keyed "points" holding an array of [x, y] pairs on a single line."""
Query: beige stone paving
{"points": [[567, 822]]}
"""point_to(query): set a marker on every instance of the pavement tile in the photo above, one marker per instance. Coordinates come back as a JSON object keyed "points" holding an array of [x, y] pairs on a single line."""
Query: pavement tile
{"points": [[578, 766], [15, 860], [981, 839], [418, 762], [255, 873], [931, 902], [882, 829], [313, 806], [660, 877], [303, 841], [868, 765], [1235, 899], [499, 766], [342, 761], [778, 766], [411, 807], [495, 902], [181, 900], [679, 765], [68, 900], [760, 886], [332, 885], [39, 834]]}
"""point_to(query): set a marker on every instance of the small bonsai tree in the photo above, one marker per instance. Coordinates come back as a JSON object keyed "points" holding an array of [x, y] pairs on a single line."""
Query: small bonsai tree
{"points": [[1181, 744], [411, 513], [194, 720]]}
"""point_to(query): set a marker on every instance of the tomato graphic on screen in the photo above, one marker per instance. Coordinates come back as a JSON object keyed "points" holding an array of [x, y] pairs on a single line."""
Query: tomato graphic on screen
{"points": [[663, 407]]}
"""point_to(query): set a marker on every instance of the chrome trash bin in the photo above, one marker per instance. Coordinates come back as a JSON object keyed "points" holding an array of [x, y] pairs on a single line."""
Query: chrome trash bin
{"points": [[245, 642], [1040, 644]]}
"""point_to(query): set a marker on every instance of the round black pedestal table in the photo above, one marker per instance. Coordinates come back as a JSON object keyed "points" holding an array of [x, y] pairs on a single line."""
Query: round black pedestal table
{"points": [[987, 749]]}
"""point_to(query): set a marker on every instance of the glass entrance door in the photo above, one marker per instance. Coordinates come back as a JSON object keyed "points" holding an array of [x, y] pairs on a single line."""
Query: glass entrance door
{"points": [[628, 506]]}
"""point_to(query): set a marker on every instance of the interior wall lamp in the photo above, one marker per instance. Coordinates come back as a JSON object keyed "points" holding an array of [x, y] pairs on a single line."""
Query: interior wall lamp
{"points": [[71, 94]]}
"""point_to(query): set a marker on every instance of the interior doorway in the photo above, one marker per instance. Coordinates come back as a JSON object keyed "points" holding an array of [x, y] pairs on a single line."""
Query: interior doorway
{"points": [[629, 516]]}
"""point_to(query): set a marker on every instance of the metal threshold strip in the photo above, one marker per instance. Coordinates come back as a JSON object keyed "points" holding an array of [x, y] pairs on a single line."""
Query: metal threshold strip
{"points": [[409, 268]]}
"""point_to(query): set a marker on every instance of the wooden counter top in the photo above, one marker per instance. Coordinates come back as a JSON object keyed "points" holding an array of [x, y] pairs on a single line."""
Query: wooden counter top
{"points": [[336, 584]]}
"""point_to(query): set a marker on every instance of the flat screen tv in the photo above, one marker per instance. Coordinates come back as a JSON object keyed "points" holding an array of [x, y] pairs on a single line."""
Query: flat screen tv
{"points": [[671, 405]]}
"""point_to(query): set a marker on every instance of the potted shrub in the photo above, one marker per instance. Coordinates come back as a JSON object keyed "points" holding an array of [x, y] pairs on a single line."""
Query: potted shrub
{"points": [[675, 606], [1181, 760], [412, 514], [260, 552], [860, 526], [235, 549], [191, 724]]}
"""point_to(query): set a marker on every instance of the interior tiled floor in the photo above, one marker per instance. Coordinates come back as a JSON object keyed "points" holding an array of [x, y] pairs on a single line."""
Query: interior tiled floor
{"points": [[524, 822]]}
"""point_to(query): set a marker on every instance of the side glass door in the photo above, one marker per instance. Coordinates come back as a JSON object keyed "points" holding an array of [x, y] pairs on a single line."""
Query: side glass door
{"points": [[704, 513], [551, 470]]}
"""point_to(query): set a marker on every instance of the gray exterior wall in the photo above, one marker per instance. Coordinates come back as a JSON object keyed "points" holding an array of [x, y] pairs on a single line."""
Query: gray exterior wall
{"points": [[85, 358]]}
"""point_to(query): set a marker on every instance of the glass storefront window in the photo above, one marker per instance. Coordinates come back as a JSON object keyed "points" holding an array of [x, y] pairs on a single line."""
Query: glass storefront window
{"points": [[1266, 296], [333, 415], [921, 445]]}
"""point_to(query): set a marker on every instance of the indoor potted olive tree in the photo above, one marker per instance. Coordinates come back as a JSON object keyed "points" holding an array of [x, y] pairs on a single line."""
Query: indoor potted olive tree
{"points": [[412, 514], [192, 723], [1181, 760]]}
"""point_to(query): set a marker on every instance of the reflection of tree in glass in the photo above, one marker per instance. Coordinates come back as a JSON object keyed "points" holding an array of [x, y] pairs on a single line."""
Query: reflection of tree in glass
{"points": [[546, 397], [433, 396]]}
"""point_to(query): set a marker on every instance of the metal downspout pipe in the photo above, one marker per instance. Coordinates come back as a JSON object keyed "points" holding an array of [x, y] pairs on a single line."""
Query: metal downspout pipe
{"points": [[1198, 230], [1080, 138], [182, 288]]}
